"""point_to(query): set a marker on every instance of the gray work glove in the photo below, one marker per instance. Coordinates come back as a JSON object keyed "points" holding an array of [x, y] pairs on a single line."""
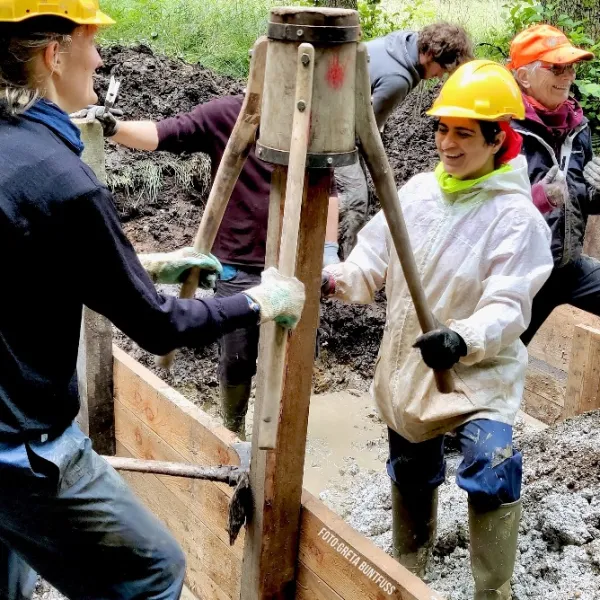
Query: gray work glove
{"points": [[173, 267], [441, 348], [280, 298], [106, 118], [330, 254], [591, 172], [555, 187]]}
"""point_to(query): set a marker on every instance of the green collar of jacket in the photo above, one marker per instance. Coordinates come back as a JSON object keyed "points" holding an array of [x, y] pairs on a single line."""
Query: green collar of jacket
{"points": [[450, 185]]}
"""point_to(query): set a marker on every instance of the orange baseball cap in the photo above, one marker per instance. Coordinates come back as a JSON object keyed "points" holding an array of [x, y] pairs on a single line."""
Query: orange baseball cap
{"points": [[544, 42]]}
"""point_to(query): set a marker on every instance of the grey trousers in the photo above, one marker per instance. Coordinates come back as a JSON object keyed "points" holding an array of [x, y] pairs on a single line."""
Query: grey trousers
{"points": [[353, 196], [67, 515]]}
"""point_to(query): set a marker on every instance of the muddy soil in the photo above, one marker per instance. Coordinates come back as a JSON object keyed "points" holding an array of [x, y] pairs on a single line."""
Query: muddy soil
{"points": [[559, 538], [160, 199]]}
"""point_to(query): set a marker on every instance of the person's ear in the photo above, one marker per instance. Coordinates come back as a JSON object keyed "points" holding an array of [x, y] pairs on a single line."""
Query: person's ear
{"points": [[500, 137], [52, 57], [523, 77]]}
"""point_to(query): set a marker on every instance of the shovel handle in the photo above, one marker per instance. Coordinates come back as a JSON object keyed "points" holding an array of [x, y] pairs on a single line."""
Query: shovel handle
{"points": [[288, 249], [385, 186], [237, 149]]}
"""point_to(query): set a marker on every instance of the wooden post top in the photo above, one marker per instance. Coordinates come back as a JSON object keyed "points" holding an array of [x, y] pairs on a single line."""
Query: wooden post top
{"points": [[320, 17]]}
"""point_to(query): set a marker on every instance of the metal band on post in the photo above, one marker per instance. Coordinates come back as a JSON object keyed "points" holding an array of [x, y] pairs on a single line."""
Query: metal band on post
{"points": [[324, 160], [313, 34]]}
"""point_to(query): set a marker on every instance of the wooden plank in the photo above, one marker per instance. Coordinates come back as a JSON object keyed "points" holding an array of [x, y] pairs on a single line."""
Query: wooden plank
{"points": [[309, 586], [270, 553], [583, 387], [212, 571], [187, 429], [207, 500], [540, 408], [544, 394], [546, 381], [323, 572], [95, 358], [186, 594], [552, 343], [532, 421], [349, 563]]}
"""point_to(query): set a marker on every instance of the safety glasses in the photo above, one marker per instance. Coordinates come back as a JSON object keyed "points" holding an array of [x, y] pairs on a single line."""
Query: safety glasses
{"points": [[558, 70]]}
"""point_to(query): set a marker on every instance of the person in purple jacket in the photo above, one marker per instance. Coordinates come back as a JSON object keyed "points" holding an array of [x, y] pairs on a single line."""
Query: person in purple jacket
{"points": [[241, 240]]}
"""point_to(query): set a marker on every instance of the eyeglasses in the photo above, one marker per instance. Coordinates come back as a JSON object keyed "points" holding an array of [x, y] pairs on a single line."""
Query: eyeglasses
{"points": [[558, 70]]}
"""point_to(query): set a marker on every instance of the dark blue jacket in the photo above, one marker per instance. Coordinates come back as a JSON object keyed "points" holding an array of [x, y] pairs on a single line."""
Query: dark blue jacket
{"points": [[567, 223], [62, 247]]}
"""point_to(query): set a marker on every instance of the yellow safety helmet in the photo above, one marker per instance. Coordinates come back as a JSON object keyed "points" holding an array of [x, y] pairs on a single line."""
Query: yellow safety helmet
{"points": [[482, 90], [82, 12]]}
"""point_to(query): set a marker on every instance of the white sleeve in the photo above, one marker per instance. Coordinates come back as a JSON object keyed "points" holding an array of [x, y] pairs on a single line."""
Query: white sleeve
{"points": [[364, 272], [519, 262]]}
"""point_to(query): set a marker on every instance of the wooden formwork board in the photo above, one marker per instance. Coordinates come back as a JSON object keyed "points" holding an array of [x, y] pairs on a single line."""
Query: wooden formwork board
{"points": [[153, 421], [550, 358]]}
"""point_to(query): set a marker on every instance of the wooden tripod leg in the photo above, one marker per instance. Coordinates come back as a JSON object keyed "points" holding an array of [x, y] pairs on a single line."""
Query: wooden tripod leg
{"points": [[271, 403], [237, 149], [383, 179]]}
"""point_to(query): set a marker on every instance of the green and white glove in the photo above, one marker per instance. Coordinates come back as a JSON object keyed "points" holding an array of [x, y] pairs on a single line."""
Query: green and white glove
{"points": [[280, 298], [173, 267], [591, 172]]}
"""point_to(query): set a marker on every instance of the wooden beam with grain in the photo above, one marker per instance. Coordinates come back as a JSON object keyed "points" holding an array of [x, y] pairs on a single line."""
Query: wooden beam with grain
{"points": [[95, 358], [583, 385], [155, 421]]}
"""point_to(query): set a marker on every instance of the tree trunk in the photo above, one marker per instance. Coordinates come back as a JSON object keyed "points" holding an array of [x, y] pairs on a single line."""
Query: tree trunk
{"points": [[353, 4], [581, 10]]}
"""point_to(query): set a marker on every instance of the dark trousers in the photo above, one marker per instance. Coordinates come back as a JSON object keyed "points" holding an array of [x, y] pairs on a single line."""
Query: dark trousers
{"points": [[577, 283], [490, 472], [238, 350], [67, 515]]}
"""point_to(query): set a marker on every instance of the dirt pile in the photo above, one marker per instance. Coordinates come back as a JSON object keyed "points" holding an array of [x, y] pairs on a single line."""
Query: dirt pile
{"points": [[160, 199], [559, 538]]}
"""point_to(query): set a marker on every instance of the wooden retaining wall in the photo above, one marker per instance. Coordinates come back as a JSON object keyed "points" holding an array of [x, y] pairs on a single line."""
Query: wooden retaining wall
{"points": [[559, 361], [153, 421]]}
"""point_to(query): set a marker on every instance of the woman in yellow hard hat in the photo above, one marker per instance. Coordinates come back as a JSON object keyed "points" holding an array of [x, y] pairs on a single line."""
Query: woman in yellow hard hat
{"points": [[482, 250], [63, 511]]}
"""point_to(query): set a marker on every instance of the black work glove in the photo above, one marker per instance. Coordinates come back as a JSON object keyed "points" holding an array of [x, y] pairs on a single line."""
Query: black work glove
{"points": [[441, 348], [107, 118]]}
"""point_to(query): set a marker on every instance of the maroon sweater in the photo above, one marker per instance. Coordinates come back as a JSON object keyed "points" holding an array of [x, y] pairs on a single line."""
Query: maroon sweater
{"points": [[242, 237]]}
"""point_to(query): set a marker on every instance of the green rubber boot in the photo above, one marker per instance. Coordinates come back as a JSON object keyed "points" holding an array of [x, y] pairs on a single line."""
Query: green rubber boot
{"points": [[234, 405], [414, 522], [494, 536]]}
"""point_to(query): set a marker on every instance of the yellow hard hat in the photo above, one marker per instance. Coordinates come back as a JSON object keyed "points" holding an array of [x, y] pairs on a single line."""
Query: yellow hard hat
{"points": [[82, 12], [482, 90]]}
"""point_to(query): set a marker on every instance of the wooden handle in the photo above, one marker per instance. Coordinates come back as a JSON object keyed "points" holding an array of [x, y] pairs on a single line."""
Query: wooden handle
{"points": [[237, 149], [383, 179], [294, 193]]}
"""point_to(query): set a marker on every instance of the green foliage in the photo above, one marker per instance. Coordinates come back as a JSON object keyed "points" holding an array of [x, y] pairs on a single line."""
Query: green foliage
{"points": [[520, 14], [375, 21], [218, 34]]}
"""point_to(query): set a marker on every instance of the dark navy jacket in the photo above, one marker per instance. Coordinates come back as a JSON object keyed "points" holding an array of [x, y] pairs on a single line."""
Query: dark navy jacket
{"points": [[567, 223], [62, 247]]}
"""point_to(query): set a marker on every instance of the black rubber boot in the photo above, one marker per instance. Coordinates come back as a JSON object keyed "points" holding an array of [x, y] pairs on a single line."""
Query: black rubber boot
{"points": [[414, 522], [234, 405], [494, 536]]}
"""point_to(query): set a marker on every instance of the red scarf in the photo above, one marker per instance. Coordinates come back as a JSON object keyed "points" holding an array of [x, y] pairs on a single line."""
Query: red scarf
{"points": [[511, 148], [557, 123]]}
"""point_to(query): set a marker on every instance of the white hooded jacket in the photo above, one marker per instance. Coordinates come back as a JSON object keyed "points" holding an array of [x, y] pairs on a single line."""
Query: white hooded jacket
{"points": [[482, 255]]}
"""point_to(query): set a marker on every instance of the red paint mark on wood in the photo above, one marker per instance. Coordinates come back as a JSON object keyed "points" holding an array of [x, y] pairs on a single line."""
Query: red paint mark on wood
{"points": [[336, 73]]}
